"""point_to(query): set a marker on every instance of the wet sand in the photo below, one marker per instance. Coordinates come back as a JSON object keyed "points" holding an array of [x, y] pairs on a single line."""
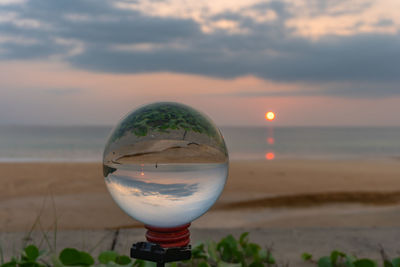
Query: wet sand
{"points": [[281, 193]]}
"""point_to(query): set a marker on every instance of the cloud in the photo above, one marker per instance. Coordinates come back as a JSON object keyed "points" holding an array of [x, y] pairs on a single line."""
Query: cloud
{"points": [[349, 90], [11, 2], [98, 36], [384, 22], [337, 7], [356, 58], [131, 186]]}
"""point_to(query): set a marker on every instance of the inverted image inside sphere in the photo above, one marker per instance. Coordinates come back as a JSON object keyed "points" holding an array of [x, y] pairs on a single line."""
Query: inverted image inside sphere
{"points": [[165, 164]]}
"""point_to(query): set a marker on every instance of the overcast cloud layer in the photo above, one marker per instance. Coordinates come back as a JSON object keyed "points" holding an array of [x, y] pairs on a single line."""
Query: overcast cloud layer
{"points": [[97, 35]]}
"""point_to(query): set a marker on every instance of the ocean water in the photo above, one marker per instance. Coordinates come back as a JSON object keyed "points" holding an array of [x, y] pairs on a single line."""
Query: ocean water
{"points": [[86, 143], [169, 194], [43, 143]]}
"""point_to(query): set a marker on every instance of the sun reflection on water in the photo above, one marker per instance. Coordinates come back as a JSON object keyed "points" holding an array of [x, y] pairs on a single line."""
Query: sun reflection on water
{"points": [[270, 156]]}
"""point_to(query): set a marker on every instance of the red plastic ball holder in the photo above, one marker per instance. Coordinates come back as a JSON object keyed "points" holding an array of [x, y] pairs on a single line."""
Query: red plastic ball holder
{"points": [[164, 245], [169, 237]]}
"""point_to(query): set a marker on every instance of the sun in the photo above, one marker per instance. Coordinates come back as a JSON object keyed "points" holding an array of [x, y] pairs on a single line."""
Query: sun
{"points": [[270, 116]]}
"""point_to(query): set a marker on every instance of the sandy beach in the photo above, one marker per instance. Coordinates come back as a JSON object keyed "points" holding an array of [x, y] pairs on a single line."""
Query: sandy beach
{"points": [[280, 193]]}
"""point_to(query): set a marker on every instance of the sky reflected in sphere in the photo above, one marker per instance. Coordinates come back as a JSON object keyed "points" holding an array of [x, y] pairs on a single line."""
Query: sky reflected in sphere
{"points": [[165, 164]]}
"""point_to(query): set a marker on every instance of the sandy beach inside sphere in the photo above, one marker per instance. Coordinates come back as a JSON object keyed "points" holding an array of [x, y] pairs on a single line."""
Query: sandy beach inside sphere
{"points": [[166, 151]]}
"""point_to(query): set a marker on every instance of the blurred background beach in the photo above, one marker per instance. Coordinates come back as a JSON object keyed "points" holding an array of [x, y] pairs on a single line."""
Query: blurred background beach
{"points": [[330, 70], [323, 175], [279, 177]]}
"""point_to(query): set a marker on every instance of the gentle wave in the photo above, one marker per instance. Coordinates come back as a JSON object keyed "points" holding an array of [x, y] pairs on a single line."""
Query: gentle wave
{"points": [[41, 160], [86, 143]]}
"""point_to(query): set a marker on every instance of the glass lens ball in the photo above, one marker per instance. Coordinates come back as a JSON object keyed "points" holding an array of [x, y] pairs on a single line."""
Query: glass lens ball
{"points": [[165, 164]]}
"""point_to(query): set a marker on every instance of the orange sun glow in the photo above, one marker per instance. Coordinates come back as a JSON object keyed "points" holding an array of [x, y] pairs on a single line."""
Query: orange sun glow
{"points": [[270, 116]]}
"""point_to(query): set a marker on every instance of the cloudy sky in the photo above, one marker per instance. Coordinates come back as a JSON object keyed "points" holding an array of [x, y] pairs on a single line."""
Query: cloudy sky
{"points": [[313, 62]]}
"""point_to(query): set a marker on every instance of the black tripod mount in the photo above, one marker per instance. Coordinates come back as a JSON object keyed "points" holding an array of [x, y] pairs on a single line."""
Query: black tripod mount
{"points": [[156, 253]]}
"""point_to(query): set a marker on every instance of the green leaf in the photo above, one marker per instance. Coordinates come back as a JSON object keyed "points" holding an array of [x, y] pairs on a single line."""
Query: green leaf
{"points": [[107, 256], [227, 248], [252, 250], [265, 256], [70, 256], [229, 241], [334, 257], [142, 263], [29, 264], [387, 263], [203, 264], [73, 257], [350, 259], [11, 263], [31, 252], [123, 260], [243, 239], [227, 264], [86, 258], [270, 259], [262, 254], [365, 263], [212, 250], [396, 262], [198, 252], [325, 262], [306, 256]]}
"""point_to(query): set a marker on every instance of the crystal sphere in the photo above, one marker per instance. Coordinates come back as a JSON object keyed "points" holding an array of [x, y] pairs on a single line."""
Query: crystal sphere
{"points": [[165, 164]]}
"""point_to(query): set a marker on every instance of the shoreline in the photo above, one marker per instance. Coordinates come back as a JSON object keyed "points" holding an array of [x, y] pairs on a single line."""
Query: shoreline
{"points": [[241, 158], [262, 194]]}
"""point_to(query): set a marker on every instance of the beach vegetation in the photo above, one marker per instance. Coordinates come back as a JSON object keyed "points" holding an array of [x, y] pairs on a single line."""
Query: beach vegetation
{"points": [[231, 252], [29, 257], [341, 259], [228, 252]]}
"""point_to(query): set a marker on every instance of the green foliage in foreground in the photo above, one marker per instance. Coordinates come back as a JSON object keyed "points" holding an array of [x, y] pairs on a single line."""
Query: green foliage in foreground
{"points": [[341, 259], [228, 252]]}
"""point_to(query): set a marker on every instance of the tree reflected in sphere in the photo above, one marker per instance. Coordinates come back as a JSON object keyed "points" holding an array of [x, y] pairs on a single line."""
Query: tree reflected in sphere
{"points": [[165, 164]]}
